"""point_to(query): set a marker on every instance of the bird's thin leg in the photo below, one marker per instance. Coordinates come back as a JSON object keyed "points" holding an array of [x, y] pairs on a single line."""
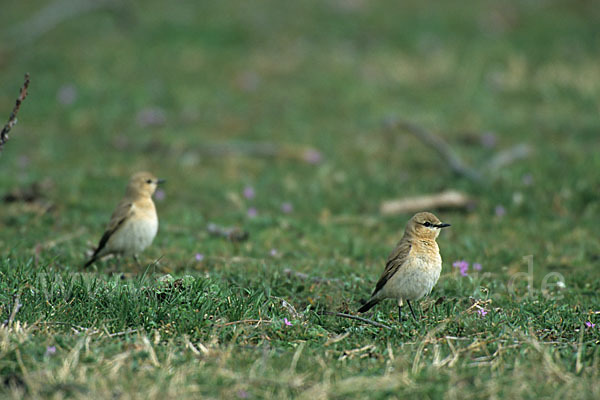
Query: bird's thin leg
{"points": [[411, 310], [400, 310], [137, 260]]}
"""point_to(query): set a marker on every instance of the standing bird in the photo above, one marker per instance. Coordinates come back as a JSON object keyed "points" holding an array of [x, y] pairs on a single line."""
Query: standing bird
{"points": [[134, 222], [414, 267]]}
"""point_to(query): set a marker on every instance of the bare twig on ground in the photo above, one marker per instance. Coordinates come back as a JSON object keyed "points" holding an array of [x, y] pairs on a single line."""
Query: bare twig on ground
{"points": [[262, 150], [288, 307], [127, 332], [12, 120], [447, 199], [336, 338], [368, 350], [500, 160], [507, 157], [35, 192], [230, 148], [244, 321], [234, 234], [16, 307], [439, 145], [199, 349], [349, 316], [47, 18]]}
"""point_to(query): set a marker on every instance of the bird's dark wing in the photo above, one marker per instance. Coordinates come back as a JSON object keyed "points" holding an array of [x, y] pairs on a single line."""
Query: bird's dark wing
{"points": [[123, 212], [394, 262]]}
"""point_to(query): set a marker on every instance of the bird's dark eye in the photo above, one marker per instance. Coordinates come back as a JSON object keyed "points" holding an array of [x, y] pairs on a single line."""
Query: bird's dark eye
{"points": [[149, 181], [427, 224]]}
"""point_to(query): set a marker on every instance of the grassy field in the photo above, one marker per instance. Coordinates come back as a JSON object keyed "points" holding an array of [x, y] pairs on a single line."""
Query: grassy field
{"points": [[274, 117]]}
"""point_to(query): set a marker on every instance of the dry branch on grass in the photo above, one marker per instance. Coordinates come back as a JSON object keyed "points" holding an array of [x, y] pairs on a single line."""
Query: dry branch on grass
{"points": [[439, 145], [288, 307], [449, 198], [297, 152], [355, 317], [234, 234], [35, 192], [12, 120], [454, 162], [446, 199], [53, 14], [507, 157], [245, 321]]}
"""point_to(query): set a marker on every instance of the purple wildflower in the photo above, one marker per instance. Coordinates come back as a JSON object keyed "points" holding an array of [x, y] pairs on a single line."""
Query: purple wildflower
{"points": [[288, 323], [67, 94], [151, 116], [248, 81], [477, 266], [462, 265], [589, 324], [527, 180], [199, 256], [24, 161], [312, 156], [252, 212], [50, 350], [287, 207], [242, 394], [249, 192], [488, 140], [273, 252], [500, 211], [482, 312]]}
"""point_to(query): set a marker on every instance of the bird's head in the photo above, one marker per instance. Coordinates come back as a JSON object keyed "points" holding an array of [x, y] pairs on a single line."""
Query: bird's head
{"points": [[425, 225], [143, 184]]}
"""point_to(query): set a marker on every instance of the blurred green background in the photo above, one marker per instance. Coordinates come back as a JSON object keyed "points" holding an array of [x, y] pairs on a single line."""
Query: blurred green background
{"points": [[197, 92]]}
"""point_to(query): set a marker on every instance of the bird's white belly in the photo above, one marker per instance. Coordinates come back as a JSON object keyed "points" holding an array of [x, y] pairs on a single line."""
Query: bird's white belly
{"points": [[414, 281], [134, 236]]}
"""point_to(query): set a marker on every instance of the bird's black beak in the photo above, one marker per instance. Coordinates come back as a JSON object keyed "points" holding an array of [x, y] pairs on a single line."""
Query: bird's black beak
{"points": [[159, 181], [442, 225]]}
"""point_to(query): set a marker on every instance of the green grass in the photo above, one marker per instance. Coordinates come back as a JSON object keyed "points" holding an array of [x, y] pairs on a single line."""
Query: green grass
{"points": [[321, 75]]}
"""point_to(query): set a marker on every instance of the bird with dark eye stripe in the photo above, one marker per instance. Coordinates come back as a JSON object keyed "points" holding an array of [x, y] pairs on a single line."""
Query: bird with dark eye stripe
{"points": [[414, 267], [429, 224]]}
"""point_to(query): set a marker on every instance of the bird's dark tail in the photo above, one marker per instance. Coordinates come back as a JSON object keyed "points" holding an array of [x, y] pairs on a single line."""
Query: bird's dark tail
{"points": [[93, 258], [90, 261], [367, 306]]}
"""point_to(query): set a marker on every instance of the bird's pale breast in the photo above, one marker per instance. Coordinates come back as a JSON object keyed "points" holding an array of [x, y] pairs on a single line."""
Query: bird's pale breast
{"points": [[134, 235], [415, 278]]}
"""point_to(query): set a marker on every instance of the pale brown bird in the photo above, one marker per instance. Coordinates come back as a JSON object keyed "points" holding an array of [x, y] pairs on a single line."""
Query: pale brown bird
{"points": [[414, 267], [134, 222]]}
